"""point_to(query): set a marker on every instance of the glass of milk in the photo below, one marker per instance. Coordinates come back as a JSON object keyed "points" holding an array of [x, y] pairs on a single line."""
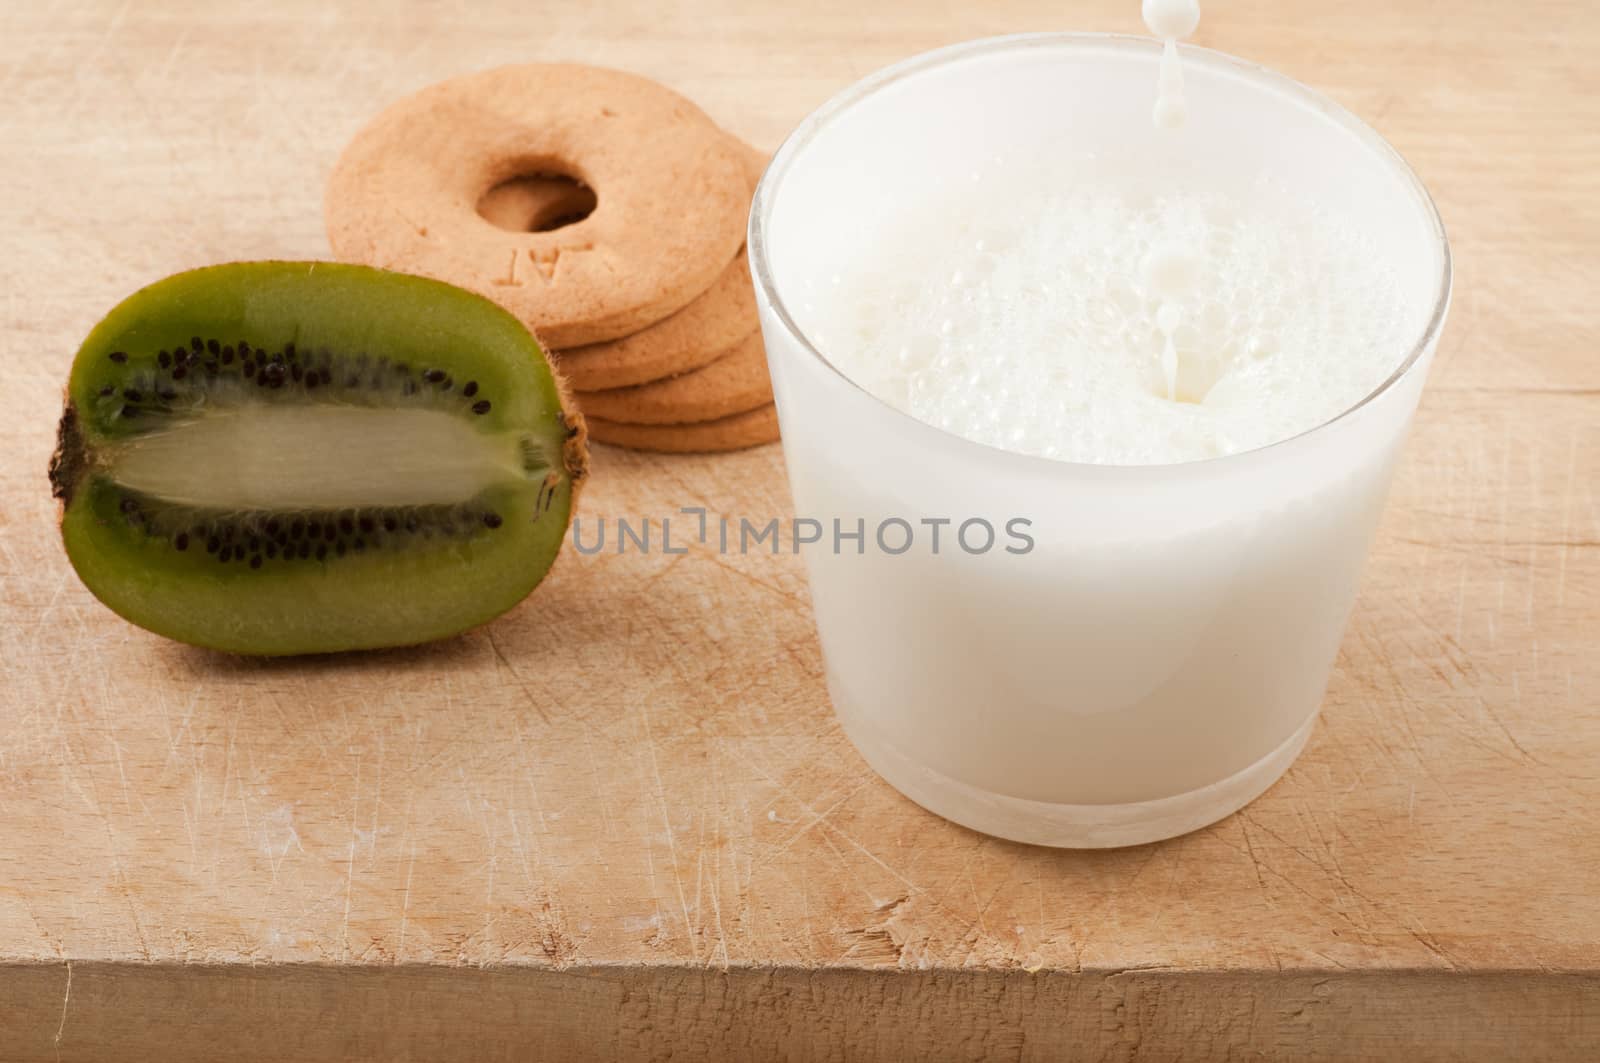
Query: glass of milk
{"points": [[1096, 417]]}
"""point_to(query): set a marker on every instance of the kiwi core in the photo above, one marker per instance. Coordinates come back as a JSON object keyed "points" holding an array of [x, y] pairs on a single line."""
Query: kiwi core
{"points": [[290, 457]]}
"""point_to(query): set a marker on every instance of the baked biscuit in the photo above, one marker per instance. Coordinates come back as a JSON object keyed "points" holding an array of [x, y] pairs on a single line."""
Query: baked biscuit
{"points": [[742, 430], [672, 195]]}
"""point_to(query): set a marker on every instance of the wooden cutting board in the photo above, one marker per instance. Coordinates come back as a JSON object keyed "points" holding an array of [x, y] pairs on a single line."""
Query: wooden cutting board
{"points": [[621, 822]]}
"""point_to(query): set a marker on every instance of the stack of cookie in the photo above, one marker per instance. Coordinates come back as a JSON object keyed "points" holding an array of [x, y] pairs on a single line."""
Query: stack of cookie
{"points": [[605, 211]]}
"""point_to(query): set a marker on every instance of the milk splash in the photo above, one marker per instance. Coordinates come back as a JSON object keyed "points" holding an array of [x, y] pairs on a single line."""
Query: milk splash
{"points": [[1172, 21]]}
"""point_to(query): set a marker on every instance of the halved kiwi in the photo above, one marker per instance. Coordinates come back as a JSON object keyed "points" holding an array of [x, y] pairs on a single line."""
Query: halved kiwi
{"points": [[303, 457]]}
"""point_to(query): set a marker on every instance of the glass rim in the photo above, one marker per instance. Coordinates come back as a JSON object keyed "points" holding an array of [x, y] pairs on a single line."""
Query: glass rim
{"points": [[808, 129]]}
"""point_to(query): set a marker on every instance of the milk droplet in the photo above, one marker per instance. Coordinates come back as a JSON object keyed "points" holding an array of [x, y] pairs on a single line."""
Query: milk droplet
{"points": [[1171, 19], [1170, 273], [1263, 345], [1170, 112]]}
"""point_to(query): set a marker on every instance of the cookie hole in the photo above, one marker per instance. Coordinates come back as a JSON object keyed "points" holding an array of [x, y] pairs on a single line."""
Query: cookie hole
{"points": [[537, 203]]}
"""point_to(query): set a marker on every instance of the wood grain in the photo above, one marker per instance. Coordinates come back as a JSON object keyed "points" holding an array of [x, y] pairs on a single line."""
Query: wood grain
{"points": [[621, 822]]}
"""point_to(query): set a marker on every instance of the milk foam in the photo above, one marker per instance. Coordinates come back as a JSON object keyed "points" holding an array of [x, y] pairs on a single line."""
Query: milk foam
{"points": [[1087, 321]]}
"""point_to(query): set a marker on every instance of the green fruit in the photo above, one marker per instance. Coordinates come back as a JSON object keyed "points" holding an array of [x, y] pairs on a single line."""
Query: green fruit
{"points": [[302, 457]]}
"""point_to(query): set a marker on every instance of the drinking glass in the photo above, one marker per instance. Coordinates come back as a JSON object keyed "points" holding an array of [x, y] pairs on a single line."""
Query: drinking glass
{"points": [[1156, 657]]}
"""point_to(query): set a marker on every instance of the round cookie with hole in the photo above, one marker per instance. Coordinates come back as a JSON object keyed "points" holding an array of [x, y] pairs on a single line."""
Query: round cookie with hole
{"points": [[700, 333], [749, 429], [671, 194], [734, 383]]}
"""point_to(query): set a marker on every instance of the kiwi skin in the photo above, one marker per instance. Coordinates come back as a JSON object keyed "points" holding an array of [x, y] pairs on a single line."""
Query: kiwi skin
{"points": [[334, 339]]}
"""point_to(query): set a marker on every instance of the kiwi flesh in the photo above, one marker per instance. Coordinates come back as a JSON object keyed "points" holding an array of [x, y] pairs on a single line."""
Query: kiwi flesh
{"points": [[304, 457]]}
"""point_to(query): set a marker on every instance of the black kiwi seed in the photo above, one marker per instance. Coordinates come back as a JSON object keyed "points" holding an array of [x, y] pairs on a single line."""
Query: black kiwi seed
{"points": [[132, 394], [197, 344], [130, 411], [481, 406], [119, 356], [492, 520], [128, 505], [470, 388], [434, 376], [366, 525], [390, 524], [272, 526], [179, 373], [180, 356], [212, 544], [226, 554], [329, 532], [181, 541], [288, 350], [311, 381], [227, 355], [248, 369], [164, 359], [297, 528], [313, 530], [347, 525], [305, 551], [213, 347], [411, 524], [166, 394], [272, 550], [322, 552], [106, 391]]}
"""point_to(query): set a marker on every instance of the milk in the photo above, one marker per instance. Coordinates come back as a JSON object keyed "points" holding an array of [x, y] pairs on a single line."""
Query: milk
{"points": [[1115, 328], [1170, 20], [994, 290]]}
